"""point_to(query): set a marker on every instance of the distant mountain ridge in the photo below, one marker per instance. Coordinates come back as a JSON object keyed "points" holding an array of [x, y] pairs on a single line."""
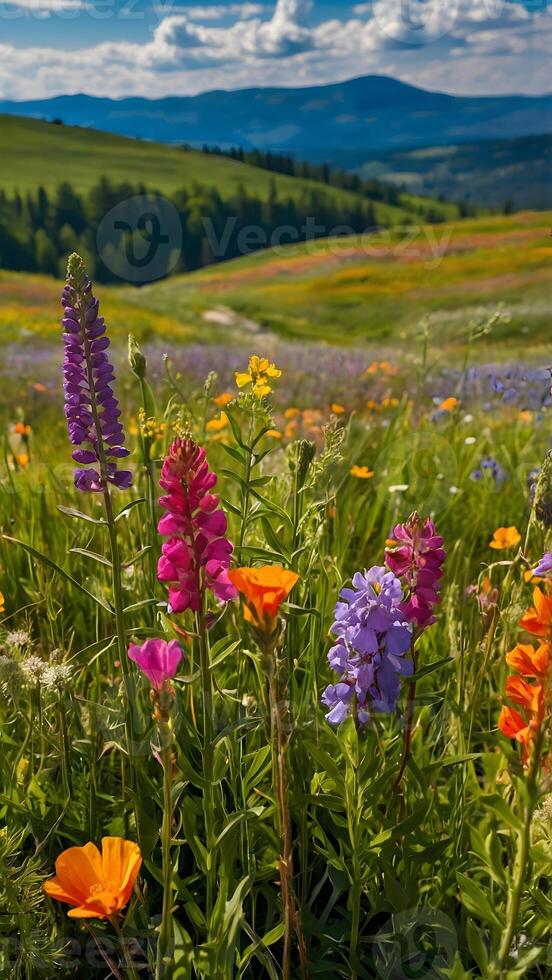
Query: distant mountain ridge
{"points": [[364, 116]]}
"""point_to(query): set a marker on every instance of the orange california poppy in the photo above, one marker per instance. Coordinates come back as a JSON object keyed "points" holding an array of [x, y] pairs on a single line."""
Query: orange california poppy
{"points": [[538, 619], [98, 885], [505, 537], [528, 661], [264, 590], [512, 725]]}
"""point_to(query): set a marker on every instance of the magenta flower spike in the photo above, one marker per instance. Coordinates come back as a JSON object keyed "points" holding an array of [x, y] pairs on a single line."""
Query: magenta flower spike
{"points": [[91, 408], [157, 659], [196, 555], [417, 557]]}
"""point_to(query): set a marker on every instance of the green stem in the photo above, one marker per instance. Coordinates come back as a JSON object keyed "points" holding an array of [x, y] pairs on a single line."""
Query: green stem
{"points": [[292, 915], [130, 971], [246, 491], [165, 958], [151, 494], [353, 819], [500, 969], [208, 737]]}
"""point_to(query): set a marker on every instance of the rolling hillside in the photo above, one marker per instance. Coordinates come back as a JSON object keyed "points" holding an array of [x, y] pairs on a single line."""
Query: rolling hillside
{"points": [[374, 292], [36, 153], [350, 291]]}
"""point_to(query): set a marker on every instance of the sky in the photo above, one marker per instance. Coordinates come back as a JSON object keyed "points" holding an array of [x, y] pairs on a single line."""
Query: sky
{"points": [[155, 48]]}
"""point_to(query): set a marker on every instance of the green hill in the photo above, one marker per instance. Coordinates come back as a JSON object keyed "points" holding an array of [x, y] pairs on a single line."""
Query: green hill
{"points": [[350, 291], [34, 153]]}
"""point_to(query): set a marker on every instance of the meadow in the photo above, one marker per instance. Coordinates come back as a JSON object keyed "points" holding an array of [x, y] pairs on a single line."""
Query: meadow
{"points": [[282, 783]]}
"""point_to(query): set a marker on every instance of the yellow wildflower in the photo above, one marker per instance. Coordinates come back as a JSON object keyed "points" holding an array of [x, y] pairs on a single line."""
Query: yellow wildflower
{"points": [[258, 374], [361, 472], [274, 434], [336, 408], [2, 603]]}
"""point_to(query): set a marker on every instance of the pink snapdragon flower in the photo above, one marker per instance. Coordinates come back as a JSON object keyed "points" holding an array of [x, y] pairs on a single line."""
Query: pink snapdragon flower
{"points": [[416, 556], [157, 659], [197, 554]]}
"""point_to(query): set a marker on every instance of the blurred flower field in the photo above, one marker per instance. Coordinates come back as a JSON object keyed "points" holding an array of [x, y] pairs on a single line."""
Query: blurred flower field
{"points": [[275, 660]]}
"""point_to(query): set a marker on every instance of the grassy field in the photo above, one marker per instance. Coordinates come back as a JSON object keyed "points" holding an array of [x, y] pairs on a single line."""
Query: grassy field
{"points": [[417, 840], [33, 153]]}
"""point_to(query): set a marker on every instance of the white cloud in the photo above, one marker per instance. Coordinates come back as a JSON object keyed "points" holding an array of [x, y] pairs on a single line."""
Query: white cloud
{"points": [[464, 46], [43, 8], [222, 11]]}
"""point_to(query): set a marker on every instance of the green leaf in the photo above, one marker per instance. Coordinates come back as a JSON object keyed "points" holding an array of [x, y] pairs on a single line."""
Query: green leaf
{"points": [[71, 512], [137, 557], [274, 541], [477, 947], [238, 819], [429, 669], [476, 902], [60, 571], [125, 511], [91, 554], [502, 810], [222, 649]]}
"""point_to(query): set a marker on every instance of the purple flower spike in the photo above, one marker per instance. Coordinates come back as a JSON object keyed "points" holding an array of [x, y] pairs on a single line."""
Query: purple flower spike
{"points": [[91, 408], [373, 637]]}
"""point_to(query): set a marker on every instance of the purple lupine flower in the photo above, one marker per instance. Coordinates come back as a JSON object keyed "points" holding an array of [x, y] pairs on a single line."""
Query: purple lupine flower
{"points": [[417, 557], [544, 566], [372, 639], [91, 408]]}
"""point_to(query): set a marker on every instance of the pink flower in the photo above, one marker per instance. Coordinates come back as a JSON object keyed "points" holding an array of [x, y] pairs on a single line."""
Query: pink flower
{"points": [[197, 554], [157, 659], [416, 555]]}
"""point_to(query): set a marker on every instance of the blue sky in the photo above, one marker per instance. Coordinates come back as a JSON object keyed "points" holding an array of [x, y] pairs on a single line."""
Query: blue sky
{"points": [[165, 47]]}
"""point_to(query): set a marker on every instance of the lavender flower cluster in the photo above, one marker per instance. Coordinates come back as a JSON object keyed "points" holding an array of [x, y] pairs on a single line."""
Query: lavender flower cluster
{"points": [[373, 636], [381, 616], [91, 408]]}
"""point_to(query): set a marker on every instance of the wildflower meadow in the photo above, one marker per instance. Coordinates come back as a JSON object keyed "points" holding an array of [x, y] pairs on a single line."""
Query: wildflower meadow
{"points": [[275, 659]]}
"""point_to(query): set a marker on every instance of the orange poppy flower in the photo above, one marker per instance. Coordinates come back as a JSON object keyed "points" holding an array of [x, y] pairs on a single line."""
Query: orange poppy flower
{"points": [[505, 537], [98, 885], [538, 620], [528, 661], [264, 590]]}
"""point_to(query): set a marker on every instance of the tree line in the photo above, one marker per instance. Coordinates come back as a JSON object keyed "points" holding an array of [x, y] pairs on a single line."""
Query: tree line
{"points": [[39, 230]]}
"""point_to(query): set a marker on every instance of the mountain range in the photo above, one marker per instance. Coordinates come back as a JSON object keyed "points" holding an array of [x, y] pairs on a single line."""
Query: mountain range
{"points": [[364, 116]]}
